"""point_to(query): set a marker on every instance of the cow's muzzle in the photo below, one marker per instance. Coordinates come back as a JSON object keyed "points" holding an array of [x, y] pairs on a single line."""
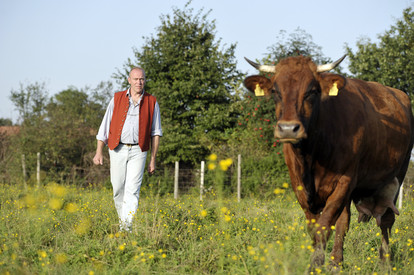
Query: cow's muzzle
{"points": [[290, 131]]}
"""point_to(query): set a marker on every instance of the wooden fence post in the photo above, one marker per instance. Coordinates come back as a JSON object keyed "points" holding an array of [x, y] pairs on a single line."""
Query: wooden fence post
{"points": [[238, 178], [400, 196], [24, 171], [38, 169], [202, 180], [177, 167]]}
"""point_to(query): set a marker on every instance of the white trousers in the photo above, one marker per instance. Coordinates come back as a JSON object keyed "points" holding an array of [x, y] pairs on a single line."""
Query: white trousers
{"points": [[127, 171]]}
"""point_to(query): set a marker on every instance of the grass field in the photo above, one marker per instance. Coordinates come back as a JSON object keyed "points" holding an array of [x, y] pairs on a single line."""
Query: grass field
{"points": [[70, 230]]}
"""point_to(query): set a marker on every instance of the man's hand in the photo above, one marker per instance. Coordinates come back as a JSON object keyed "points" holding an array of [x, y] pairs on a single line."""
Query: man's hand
{"points": [[151, 166], [98, 158], [155, 141]]}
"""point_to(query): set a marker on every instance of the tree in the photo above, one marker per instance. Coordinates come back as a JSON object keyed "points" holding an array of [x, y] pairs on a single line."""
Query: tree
{"points": [[72, 121], [6, 122], [192, 77], [295, 44], [66, 128], [30, 101], [61, 128], [390, 61], [98, 100]]}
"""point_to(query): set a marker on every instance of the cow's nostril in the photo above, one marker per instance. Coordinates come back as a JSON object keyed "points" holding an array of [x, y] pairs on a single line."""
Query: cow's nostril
{"points": [[296, 128]]}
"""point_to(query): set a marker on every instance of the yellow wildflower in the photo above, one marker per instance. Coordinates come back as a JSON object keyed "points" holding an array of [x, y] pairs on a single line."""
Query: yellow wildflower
{"points": [[211, 166], [61, 258], [225, 164], [55, 203], [212, 157], [71, 207]]}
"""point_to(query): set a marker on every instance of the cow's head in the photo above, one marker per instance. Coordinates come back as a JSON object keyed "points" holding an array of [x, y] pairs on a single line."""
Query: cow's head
{"points": [[297, 87]]}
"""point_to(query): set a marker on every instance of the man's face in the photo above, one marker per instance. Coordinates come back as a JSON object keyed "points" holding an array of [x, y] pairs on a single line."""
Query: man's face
{"points": [[137, 80]]}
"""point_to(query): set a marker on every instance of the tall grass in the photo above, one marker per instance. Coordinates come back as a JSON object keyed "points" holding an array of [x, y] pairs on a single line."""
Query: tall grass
{"points": [[71, 230]]}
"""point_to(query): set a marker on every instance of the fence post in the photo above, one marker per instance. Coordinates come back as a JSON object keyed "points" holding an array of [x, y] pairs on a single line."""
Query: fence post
{"points": [[400, 196], [238, 177], [24, 171], [38, 169], [177, 167], [202, 180]]}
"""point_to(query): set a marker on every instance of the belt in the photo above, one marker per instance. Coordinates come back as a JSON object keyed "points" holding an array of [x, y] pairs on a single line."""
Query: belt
{"points": [[129, 144]]}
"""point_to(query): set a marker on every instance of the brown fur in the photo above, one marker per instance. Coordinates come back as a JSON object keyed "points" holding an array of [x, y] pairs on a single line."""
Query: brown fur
{"points": [[353, 146], [377, 204]]}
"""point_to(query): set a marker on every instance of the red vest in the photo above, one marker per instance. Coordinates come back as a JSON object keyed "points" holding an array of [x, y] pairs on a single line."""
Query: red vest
{"points": [[146, 111]]}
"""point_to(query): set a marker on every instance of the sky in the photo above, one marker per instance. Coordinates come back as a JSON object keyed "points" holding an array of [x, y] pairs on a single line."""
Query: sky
{"points": [[79, 43]]}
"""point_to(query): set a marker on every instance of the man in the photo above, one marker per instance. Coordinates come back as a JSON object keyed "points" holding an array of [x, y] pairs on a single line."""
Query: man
{"points": [[131, 124]]}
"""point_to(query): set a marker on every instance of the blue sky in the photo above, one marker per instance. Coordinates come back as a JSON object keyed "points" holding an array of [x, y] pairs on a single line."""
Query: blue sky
{"points": [[82, 42]]}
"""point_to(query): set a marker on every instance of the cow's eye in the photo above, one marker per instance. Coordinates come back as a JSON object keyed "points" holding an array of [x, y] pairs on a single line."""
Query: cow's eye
{"points": [[311, 94], [276, 95]]}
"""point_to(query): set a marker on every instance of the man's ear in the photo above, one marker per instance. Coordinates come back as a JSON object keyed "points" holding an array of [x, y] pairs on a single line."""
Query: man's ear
{"points": [[331, 84], [259, 85]]}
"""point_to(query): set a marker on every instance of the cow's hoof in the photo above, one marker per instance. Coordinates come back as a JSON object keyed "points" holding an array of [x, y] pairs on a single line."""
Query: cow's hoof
{"points": [[318, 258]]}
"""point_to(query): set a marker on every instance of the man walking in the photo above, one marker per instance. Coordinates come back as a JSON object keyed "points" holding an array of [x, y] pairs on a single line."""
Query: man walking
{"points": [[131, 125]]}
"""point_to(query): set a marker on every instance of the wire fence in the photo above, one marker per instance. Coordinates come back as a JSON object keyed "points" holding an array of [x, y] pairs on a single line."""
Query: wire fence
{"points": [[186, 180]]}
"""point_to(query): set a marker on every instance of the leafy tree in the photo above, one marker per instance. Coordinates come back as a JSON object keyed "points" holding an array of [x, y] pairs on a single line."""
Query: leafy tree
{"points": [[192, 77], [30, 101], [390, 61], [6, 122], [73, 118], [67, 128], [294, 44], [61, 128], [98, 100]]}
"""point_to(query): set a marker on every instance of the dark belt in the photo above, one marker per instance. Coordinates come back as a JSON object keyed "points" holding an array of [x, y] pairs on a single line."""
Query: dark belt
{"points": [[129, 144]]}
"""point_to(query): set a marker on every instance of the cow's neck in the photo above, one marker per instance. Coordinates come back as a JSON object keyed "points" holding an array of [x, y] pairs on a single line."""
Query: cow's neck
{"points": [[308, 153]]}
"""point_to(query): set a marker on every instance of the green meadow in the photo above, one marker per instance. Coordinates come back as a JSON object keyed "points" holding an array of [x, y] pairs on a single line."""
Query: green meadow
{"points": [[56, 229]]}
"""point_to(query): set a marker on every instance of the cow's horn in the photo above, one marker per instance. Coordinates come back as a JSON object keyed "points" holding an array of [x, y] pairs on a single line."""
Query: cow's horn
{"points": [[330, 66], [262, 68]]}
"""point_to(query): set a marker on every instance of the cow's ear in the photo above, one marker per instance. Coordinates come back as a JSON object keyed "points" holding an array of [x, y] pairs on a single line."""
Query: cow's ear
{"points": [[259, 85], [331, 84]]}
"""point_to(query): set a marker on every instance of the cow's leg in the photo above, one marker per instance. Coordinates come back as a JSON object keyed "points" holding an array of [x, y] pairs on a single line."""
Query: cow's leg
{"points": [[318, 256], [334, 206], [341, 228], [387, 221]]}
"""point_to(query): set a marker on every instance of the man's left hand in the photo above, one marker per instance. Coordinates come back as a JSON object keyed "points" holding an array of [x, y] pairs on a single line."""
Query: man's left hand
{"points": [[151, 167]]}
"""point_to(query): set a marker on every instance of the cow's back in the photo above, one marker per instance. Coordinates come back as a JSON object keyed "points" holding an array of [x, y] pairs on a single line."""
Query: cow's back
{"points": [[369, 126]]}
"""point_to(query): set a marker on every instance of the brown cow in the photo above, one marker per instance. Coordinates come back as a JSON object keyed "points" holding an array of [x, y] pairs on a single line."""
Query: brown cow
{"points": [[344, 140]]}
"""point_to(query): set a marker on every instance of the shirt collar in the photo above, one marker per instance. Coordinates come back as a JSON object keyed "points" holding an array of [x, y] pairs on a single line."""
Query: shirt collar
{"points": [[129, 93]]}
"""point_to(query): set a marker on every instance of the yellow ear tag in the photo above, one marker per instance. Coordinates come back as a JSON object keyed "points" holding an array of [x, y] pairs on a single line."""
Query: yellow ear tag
{"points": [[258, 91], [334, 90]]}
